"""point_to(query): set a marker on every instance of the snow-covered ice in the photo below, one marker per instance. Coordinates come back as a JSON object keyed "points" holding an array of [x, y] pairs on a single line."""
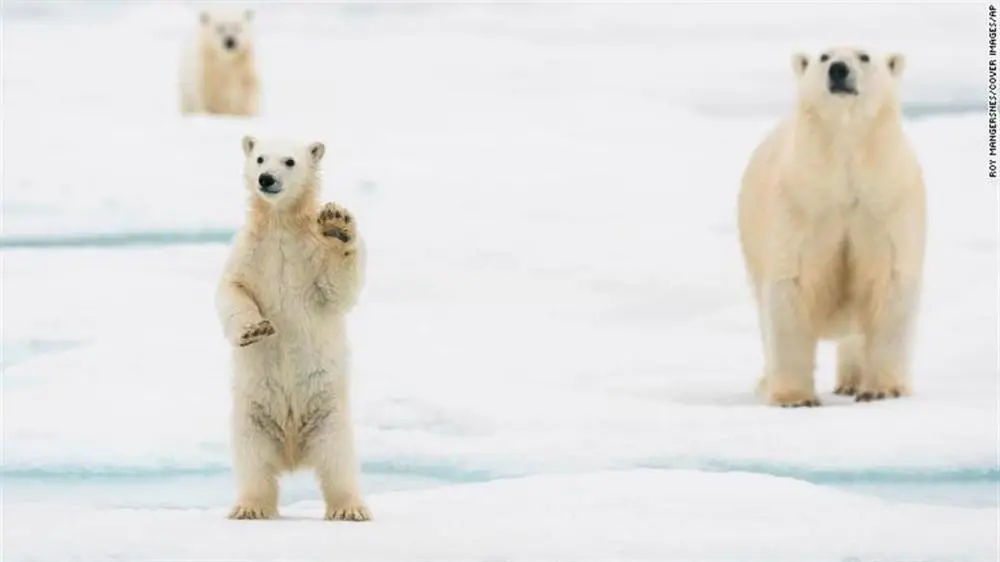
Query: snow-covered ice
{"points": [[637, 514], [556, 351]]}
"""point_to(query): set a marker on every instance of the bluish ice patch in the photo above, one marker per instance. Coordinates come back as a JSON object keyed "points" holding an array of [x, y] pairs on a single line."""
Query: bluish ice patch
{"points": [[121, 239], [445, 473], [14, 352], [867, 475], [202, 485]]}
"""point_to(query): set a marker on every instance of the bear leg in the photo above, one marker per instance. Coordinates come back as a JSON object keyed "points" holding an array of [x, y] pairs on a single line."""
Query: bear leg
{"points": [[334, 458], [888, 320], [789, 347], [256, 467]]}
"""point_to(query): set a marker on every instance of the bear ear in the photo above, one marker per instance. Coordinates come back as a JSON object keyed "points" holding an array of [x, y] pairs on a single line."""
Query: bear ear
{"points": [[896, 63], [248, 15], [317, 150], [248, 145], [204, 18], [800, 61]]}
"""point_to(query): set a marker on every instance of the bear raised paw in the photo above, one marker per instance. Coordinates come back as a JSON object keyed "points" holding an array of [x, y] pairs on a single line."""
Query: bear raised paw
{"points": [[336, 223]]}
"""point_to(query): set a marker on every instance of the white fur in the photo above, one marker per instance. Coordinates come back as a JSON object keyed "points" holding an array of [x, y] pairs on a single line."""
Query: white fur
{"points": [[214, 79], [291, 388], [832, 226]]}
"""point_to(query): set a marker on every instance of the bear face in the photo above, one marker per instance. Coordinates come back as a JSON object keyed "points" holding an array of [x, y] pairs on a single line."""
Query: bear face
{"points": [[227, 33], [847, 79], [280, 172]]}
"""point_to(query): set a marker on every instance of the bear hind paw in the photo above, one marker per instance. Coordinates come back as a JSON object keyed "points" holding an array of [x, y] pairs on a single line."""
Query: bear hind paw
{"points": [[355, 512]]}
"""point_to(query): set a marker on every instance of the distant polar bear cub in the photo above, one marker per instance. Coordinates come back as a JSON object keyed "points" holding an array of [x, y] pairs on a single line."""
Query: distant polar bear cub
{"points": [[218, 73], [832, 225], [295, 270]]}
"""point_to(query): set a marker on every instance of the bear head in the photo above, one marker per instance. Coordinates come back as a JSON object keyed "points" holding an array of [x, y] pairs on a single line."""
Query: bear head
{"points": [[281, 172], [844, 81], [227, 33]]}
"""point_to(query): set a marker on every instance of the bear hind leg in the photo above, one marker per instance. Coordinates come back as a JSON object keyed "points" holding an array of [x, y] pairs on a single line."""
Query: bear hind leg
{"points": [[256, 464], [331, 452]]}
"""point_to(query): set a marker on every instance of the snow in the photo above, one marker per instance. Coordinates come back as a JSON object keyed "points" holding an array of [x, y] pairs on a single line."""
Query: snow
{"points": [[522, 93], [484, 400], [557, 341], [634, 514]]}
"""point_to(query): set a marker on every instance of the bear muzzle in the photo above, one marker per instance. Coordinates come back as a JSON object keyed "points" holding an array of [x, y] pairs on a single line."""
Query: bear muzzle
{"points": [[268, 183], [840, 79]]}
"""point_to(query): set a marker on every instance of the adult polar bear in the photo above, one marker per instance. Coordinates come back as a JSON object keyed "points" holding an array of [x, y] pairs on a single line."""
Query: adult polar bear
{"points": [[295, 270], [218, 70], [832, 226]]}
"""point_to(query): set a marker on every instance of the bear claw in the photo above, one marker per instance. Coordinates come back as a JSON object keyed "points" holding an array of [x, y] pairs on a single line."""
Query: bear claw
{"points": [[349, 513], [846, 390], [809, 403], [874, 395], [248, 513], [338, 234]]}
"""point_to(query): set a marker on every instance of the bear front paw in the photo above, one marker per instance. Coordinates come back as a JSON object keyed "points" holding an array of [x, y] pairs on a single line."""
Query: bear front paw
{"points": [[256, 332], [803, 403], [792, 398], [885, 388], [336, 223], [874, 395]]}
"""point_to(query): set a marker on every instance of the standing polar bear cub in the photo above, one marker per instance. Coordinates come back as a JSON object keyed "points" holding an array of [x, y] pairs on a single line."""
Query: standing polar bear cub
{"points": [[218, 73], [832, 225], [295, 271]]}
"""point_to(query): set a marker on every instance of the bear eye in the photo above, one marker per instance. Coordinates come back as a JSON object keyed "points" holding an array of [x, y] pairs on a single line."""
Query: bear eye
{"points": [[824, 58], [289, 162], [260, 159], [863, 57]]}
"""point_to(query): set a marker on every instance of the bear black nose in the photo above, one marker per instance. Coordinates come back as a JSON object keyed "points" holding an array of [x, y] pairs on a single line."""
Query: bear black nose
{"points": [[230, 43], [838, 71], [265, 180]]}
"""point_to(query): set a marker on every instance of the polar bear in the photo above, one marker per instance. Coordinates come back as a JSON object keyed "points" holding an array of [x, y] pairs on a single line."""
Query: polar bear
{"points": [[294, 272], [218, 73], [832, 224]]}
